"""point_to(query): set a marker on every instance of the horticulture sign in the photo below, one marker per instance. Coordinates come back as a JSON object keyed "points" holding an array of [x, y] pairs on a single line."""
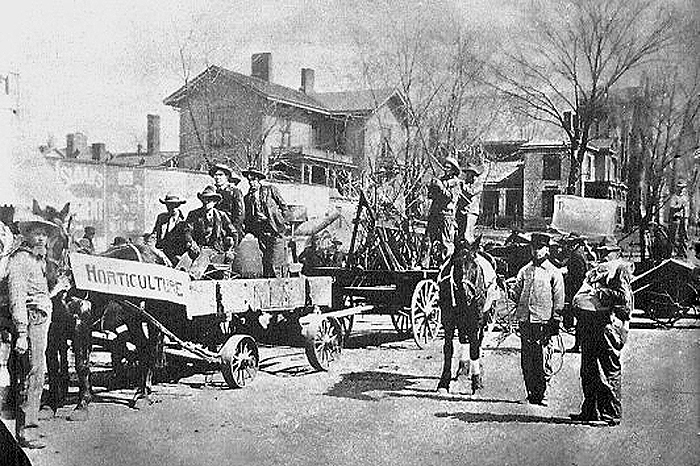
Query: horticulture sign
{"points": [[130, 278]]}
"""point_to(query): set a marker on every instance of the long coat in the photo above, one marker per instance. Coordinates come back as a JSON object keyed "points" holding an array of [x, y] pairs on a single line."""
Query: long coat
{"points": [[232, 204], [210, 233], [272, 211], [170, 239]]}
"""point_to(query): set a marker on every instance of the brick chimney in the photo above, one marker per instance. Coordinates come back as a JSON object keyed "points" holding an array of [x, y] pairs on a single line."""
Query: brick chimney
{"points": [[307, 80], [261, 66], [70, 146], [99, 152], [153, 135], [76, 146]]}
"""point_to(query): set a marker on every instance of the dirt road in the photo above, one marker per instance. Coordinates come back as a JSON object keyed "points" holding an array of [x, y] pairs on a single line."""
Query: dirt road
{"points": [[379, 407]]}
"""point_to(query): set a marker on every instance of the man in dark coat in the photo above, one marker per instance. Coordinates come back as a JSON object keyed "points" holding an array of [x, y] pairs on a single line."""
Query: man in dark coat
{"points": [[168, 228], [208, 226], [265, 219], [604, 306], [576, 268], [231, 202]]}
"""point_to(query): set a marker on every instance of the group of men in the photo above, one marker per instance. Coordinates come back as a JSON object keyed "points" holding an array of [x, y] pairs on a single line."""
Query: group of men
{"points": [[599, 298], [224, 218]]}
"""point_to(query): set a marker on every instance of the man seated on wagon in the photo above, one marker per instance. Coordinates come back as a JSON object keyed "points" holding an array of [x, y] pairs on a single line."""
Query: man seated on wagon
{"points": [[167, 231], [231, 202], [208, 226]]}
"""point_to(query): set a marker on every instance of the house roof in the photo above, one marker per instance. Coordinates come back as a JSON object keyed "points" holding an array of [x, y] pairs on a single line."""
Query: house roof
{"points": [[354, 101], [324, 102], [133, 159], [500, 171]]}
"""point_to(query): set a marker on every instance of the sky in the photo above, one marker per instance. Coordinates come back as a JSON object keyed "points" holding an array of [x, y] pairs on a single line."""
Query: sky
{"points": [[99, 67]]}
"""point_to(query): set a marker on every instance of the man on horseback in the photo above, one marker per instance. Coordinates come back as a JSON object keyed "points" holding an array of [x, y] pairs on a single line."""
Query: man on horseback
{"points": [[468, 204], [30, 308], [539, 294]]}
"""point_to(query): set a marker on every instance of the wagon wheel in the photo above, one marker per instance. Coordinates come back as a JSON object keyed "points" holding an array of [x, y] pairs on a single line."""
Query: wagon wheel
{"points": [[402, 323], [324, 341], [239, 360], [425, 312]]}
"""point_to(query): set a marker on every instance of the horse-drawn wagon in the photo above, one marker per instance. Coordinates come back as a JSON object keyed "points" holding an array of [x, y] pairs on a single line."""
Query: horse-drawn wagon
{"points": [[383, 276], [222, 319]]}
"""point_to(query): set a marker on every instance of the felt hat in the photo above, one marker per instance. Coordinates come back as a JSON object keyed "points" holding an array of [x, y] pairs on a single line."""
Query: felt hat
{"points": [[209, 193], [172, 199], [28, 222], [119, 240], [253, 173], [541, 239], [226, 169], [474, 168], [681, 184], [89, 229], [452, 163]]}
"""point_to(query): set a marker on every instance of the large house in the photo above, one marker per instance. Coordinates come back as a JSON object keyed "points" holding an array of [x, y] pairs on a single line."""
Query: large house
{"points": [[328, 138], [523, 178]]}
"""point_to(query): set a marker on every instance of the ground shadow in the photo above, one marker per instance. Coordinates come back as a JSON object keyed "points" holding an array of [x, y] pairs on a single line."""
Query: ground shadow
{"points": [[493, 417], [461, 397], [357, 385], [363, 340]]}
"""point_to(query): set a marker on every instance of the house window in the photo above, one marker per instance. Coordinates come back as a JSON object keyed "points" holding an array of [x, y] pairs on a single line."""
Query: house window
{"points": [[548, 202], [489, 207], [514, 203], [551, 167], [615, 175]]}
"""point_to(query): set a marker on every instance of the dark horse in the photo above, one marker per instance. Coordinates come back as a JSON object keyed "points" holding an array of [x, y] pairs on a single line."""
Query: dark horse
{"points": [[468, 288], [76, 312]]}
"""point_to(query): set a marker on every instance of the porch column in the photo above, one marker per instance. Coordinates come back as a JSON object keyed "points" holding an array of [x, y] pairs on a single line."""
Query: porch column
{"points": [[501, 202]]}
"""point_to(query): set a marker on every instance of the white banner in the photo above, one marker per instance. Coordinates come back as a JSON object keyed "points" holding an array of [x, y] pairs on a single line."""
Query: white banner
{"points": [[585, 216], [130, 278]]}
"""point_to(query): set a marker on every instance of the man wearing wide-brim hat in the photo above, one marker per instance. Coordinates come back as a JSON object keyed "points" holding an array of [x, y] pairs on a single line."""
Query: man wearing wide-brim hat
{"points": [[443, 193], [539, 294], [210, 227], [30, 309], [678, 219], [167, 229], [225, 181], [265, 219], [468, 205]]}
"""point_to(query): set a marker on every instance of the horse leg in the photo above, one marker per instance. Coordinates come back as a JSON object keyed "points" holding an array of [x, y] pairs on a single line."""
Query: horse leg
{"points": [[475, 340], [148, 359], [447, 349], [82, 347]]}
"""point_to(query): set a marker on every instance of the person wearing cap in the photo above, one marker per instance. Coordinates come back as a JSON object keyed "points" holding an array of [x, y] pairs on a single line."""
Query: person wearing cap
{"points": [[30, 309], [444, 193], [265, 219], [604, 306], [167, 231], [539, 294], [678, 219], [231, 202], [86, 242], [468, 204]]}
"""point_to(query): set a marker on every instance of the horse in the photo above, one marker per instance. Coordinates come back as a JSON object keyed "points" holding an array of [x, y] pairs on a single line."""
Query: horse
{"points": [[468, 288], [76, 312]]}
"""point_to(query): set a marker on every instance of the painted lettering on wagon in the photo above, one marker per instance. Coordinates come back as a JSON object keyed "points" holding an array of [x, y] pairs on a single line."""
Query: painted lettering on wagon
{"points": [[133, 280], [130, 278]]}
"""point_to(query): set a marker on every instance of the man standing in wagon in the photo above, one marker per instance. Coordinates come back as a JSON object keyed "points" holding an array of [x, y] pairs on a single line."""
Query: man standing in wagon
{"points": [[444, 193]]}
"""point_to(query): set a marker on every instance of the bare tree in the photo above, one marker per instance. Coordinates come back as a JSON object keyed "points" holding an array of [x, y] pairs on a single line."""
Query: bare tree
{"points": [[667, 129], [437, 67], [577, 50]]}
